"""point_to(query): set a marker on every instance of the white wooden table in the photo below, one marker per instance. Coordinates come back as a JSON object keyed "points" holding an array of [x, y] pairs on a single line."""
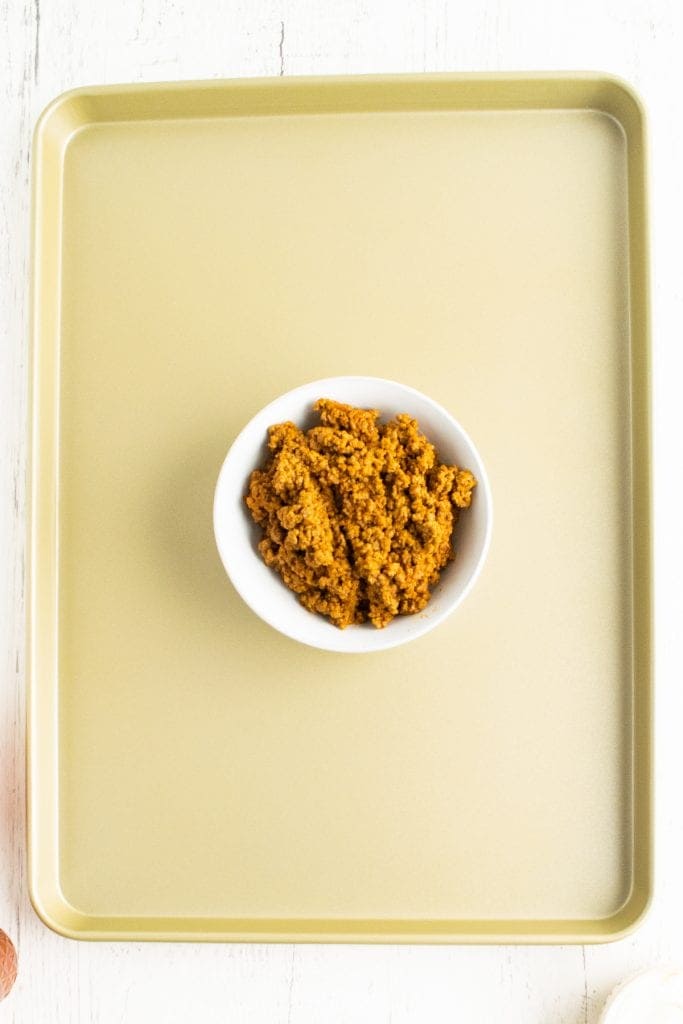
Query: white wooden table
{"points": [[47, 47]]}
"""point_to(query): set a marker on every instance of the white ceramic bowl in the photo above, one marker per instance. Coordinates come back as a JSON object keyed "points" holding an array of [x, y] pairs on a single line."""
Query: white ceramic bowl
{"points": [[653, 996], [237, 536]]}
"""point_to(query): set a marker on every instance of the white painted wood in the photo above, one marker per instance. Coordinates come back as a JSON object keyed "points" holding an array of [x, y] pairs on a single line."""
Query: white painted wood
{"points": [[46, 47]]}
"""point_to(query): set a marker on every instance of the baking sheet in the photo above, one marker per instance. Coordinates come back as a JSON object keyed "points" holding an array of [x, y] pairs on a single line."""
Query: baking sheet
{"points": [[202, 248]]}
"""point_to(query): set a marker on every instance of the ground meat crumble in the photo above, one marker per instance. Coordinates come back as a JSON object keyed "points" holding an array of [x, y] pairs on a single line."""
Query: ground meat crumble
{"points": [[357, 516]]}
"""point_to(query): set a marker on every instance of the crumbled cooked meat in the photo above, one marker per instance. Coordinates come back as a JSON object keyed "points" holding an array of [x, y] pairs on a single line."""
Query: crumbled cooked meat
{"points": [[357, 516]]}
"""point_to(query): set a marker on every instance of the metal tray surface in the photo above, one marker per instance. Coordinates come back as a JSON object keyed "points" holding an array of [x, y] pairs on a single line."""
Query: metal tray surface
{"points": [[202, 248]]}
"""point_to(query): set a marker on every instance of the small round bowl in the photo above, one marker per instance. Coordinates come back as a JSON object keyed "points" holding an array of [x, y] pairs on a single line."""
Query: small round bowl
{"points": [[655, 994], [237, 536]]}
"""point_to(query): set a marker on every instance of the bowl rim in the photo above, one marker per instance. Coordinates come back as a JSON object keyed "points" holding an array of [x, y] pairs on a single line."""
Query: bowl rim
{"points": [[435, 619], [614, 1002]]}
